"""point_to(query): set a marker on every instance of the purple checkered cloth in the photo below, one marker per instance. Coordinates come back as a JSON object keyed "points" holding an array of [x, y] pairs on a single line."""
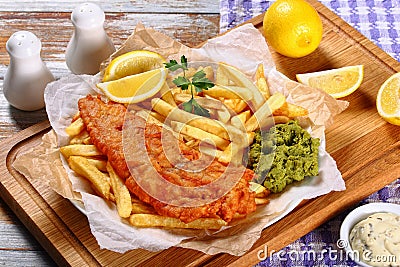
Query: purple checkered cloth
{"points": [[379, 21], [321, 247]]}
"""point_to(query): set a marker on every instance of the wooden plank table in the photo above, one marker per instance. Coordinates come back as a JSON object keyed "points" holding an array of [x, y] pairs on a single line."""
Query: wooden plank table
{"points": [[355, 131], [190, 22]]}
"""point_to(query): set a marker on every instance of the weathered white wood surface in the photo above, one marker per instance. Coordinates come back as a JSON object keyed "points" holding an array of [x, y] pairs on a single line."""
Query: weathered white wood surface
{"points": [[137, 6], [17, 246], [190, 22]]}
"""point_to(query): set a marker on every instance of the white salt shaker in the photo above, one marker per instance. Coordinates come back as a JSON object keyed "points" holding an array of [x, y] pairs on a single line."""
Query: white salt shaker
{"points": [[27, 75], [89, 44]]}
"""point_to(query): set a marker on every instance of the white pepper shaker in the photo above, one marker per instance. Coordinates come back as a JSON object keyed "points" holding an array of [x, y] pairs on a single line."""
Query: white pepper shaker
{"points": [[89, 44], [27, 75]]}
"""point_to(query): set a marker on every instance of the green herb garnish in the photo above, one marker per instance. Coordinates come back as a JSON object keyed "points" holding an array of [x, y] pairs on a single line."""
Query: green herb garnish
{"points": [[198, 83]]}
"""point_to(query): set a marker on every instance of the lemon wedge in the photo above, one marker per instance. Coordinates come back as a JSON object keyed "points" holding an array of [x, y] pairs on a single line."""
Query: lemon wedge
{"points": [[338, 82], [388, 100], [133, 62], [135, 88]]}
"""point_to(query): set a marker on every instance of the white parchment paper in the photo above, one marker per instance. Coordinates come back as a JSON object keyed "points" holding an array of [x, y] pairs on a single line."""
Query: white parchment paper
{"points": [[243, 47]]}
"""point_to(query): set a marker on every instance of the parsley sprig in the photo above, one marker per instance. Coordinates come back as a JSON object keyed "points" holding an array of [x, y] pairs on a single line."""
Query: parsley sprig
{"points": [[198, 83]]}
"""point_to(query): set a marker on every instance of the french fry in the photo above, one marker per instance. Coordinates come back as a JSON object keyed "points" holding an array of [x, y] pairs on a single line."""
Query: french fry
{"points": [[291, 110], [296, 111], [223, 115], [282, 111], [261, 117], [141, 208], [280, 119], [250, 138], [208, 70], [270, 121], [261, 201], [238, 216], [259, 190], [231, 151], [121, 193], [157, 116], [261, 82], [176, 114], [208, 103], [226, 155], [193, 143], [240, 79], [262, 194], [199, 134], [181, 98], [153, 220], [166, 95], [215, 106], [190, 72], [76, 116], [80, 150], [259, 72], [87, 141], [79, 138], [75, 127], [98, 179], [221, 77], [263, 87], [145, 114], [100, 164], [240, 119], [235, 105], [210, 151], [230, 92]]}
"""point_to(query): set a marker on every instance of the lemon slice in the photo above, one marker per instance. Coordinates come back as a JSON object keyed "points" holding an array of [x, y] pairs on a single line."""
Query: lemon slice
{"points": [[132, 63], [135, 88], [338, 82], [388, 100]]}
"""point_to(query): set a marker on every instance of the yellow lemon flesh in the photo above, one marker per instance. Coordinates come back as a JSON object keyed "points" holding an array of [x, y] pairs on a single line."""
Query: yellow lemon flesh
{"points": [[130, 63], [388, 100], [338, 82], [135, 88], [292, 27]]}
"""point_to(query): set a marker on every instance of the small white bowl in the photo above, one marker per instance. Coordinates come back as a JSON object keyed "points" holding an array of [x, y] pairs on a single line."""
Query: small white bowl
{"points": [[358, 215]]}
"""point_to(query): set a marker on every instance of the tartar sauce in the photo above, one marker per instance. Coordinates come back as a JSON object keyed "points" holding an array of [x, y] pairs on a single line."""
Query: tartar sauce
{"points": [[377, 239]]}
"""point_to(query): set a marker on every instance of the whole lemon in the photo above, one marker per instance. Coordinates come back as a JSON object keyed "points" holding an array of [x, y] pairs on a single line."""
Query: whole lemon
{"points": [[292, 27]]}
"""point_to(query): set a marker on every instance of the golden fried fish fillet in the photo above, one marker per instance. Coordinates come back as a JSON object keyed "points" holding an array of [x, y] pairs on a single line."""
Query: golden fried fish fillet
{"points": [[105, 125], [104, 122]]}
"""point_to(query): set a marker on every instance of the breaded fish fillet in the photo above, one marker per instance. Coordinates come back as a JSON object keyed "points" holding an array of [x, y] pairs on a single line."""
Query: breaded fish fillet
{"points": [[105, 124]]}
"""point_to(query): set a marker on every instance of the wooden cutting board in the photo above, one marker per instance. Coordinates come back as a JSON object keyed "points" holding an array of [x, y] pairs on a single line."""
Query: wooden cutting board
{"points": [[365, 147]]}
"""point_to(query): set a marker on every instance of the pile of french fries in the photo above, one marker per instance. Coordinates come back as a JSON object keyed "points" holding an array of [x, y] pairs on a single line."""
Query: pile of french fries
{"points": [[238, 108]]}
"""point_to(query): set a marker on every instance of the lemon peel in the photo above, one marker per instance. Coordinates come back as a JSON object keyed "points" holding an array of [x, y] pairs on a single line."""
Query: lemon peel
{"points": [[131, 63], [388, 100]]}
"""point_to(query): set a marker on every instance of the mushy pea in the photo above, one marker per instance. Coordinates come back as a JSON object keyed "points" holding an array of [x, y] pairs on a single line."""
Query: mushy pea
{"points": [[283, 154]]}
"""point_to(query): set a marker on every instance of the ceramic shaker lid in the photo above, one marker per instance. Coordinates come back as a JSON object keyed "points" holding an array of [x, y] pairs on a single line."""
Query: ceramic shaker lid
{"points": [[87, 15], [23, 44]]}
